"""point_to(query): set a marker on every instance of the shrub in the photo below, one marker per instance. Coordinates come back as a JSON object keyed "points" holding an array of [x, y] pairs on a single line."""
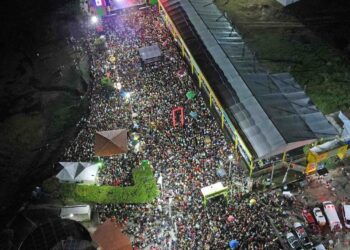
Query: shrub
{"points": [[144, 190]]}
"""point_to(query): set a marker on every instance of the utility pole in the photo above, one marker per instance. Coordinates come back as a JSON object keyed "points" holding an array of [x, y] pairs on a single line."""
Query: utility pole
{"points": [[272, 172], [285, 176], [230, 159], [170, 201]]}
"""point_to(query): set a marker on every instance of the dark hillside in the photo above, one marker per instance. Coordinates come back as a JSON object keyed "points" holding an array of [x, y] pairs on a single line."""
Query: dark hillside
{"points": [[42, 93]]}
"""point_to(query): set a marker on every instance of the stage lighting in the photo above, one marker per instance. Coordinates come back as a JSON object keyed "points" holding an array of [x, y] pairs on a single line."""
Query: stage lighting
{"points": [[94, 19], [118, 86]]}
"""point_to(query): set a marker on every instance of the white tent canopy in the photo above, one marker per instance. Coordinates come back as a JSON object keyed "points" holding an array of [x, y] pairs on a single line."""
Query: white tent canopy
{"points": [[213, 189], [76, 212], [78, 172]]}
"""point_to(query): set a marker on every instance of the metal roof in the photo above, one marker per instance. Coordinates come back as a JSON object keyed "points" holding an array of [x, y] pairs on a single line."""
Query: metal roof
{"points": [[272, 111], [150, 52]]}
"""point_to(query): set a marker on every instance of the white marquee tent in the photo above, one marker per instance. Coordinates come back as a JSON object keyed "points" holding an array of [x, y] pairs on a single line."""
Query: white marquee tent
{"points": [[214, 190], [76, 212], [75, 172]]}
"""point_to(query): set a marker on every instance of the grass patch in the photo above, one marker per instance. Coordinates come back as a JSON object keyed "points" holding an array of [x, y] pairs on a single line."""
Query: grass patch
{"points": [[144, 190], [23, 131], [282, 44], [325, 76]]}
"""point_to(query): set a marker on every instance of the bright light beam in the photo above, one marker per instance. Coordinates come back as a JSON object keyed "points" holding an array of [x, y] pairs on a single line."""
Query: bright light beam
{"points": [[94, 19]]}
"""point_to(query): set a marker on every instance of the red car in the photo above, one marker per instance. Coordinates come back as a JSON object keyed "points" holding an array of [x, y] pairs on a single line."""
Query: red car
{"points": [[310, 221]]}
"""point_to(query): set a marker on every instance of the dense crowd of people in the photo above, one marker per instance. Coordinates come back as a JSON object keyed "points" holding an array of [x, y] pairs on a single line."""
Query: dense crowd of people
{"points": [[185, 157]]}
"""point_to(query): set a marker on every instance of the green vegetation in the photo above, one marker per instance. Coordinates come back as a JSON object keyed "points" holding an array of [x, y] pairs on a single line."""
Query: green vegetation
{"points": [[144, 190], [283, 44], [23, 131], [107, 82], [64, 112]]}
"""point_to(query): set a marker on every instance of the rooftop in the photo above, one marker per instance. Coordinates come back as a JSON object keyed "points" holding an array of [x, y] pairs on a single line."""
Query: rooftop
{"points": [[271, 110]]}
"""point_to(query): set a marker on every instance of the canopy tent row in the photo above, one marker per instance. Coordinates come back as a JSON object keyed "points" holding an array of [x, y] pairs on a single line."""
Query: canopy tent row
{"points": [[75, 172], [112, 142]]}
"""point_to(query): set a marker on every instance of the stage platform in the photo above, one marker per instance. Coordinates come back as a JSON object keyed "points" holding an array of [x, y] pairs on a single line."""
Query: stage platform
{"points": [[124, 4]]}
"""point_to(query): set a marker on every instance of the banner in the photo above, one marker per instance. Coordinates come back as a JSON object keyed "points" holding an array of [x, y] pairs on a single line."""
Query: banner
{"points": [[311, 168], [342, 152], [182, 119]]}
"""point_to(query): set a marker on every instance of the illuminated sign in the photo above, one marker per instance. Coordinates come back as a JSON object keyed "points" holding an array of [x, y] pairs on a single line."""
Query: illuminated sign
{"points": [[98, 2]]}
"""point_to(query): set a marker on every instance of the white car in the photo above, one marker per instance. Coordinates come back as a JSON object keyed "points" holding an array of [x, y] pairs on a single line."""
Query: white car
{"points": [[321, 220], [345, 209], [302, 235], [293, 241]]}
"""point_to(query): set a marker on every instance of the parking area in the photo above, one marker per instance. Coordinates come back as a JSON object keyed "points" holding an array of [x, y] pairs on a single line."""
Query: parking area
{"points": [[302, 208]]}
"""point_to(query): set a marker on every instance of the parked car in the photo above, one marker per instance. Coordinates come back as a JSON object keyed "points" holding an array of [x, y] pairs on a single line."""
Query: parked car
{"points": [[310, 221], [308, 218], [293, 242], [302, 235], [332, 216], [345, 210], [321, 220]]}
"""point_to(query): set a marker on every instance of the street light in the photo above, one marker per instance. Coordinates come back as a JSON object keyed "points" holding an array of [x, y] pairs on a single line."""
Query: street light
{"points": [[94, 19], [118, 86], [170, 201], [230, 159], [160, 181]]}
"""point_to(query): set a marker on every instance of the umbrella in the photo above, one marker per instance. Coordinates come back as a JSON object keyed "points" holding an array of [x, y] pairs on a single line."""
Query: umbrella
{"points": [[134, 138], [181, 73], [207, 140], [233, 244], [99, 28], [193, 114], [135, 125], [106, 81], [230, 218], [145, 163], [112, 59], [191, 95], [252, 202], [220, 172]]}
